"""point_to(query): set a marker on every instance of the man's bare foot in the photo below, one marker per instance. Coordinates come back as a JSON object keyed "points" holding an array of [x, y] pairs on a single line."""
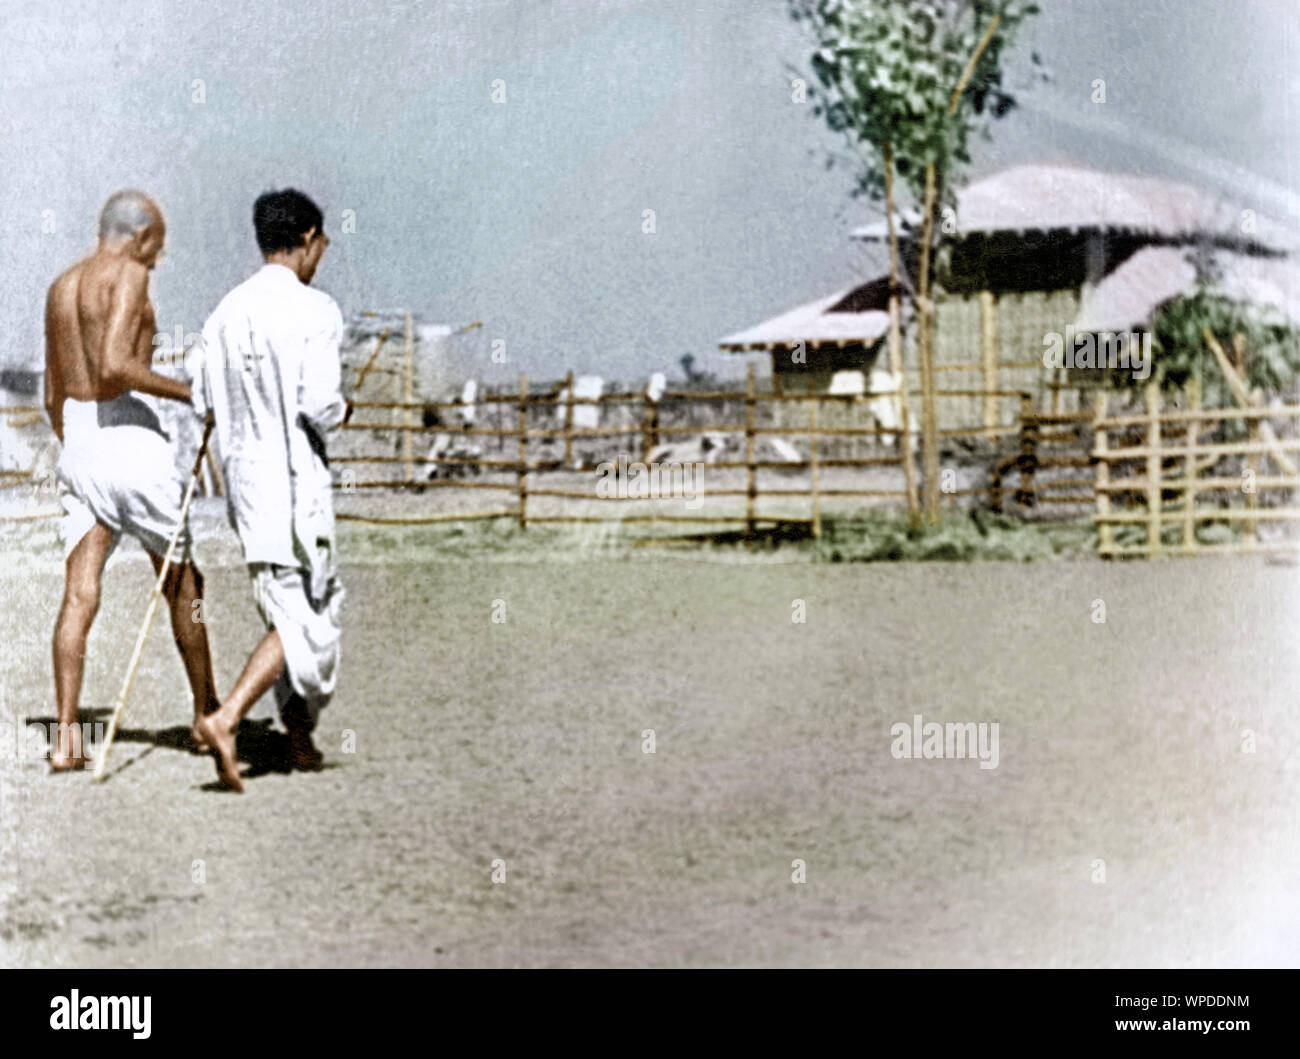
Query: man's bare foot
{"points": [[221, 743], [201, 745], [69, 762]]}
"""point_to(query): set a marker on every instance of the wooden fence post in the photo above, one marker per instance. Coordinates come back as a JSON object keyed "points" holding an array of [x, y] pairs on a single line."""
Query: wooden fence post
{"points": [[1154, 469], [1191, 469], [523, 451], [929, 430], [649, 438], [1253, 432], [989, 358], [410, 437], [1252, 497], [927, 326], [568, 422], [813, 461], [1028, 462], [905, 448], [751, 476], [1101, 442]]}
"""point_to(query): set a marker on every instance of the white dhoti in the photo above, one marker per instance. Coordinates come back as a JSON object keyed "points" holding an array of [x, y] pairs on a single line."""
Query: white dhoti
{"points": [[309, 630], [118, 467]]}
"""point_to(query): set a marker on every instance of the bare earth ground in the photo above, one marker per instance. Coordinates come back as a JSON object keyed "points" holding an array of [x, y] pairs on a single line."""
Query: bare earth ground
{"points": [[522, 742]]}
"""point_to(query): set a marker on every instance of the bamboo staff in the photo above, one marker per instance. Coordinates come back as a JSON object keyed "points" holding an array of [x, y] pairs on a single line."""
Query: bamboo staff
{"points": [[120, 705]]}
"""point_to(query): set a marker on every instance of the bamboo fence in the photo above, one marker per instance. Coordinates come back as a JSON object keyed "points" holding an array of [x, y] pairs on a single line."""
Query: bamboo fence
{"points": [[1156, 473], [643, 432]]}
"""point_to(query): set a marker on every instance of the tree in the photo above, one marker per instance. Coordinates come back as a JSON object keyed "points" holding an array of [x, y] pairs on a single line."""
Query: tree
{"points": [[1265, 343], [909, 82]]}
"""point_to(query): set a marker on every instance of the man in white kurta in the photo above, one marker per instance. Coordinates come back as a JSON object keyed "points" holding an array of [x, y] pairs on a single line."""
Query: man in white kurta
{"points": [[268, 371]]}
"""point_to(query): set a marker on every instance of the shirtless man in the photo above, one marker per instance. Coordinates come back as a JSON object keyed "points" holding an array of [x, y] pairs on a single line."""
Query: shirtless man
{"points": [[118, 469]]}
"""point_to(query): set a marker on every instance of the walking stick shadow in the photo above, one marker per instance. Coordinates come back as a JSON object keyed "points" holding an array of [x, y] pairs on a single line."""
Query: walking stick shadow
{"points": [[257, 744]]}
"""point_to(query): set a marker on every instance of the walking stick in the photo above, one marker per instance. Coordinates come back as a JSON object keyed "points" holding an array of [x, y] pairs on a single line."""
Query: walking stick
{"points": [[129, 679]]}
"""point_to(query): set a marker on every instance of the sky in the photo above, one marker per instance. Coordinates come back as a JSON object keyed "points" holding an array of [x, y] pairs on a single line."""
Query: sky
{"points": [[529, 213]]}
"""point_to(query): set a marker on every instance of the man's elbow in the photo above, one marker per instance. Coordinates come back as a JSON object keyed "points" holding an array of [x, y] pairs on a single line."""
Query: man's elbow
{"points": [[114, 376]]}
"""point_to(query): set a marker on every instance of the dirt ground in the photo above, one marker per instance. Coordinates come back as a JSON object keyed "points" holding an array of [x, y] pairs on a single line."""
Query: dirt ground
{"points": [[522, 742]]}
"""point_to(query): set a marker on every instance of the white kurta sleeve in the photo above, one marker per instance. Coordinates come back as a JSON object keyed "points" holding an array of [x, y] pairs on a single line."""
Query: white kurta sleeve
{"points": [[196, 367], [320, 386]]}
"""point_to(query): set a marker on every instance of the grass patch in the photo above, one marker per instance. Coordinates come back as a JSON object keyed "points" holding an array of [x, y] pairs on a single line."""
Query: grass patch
{"points": [[978, 535], [868, 536]]}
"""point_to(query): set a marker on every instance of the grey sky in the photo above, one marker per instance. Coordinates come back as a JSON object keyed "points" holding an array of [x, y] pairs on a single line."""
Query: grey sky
{"points": [[528, 214]]}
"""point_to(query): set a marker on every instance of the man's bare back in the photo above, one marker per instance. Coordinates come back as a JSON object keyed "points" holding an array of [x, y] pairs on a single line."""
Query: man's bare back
{"points": [[99, 327], [79, 302]]}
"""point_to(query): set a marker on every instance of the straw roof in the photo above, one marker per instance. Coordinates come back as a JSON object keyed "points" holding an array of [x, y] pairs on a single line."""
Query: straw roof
{"points": [[1131, 295], [856, 314], [1054, 197]]}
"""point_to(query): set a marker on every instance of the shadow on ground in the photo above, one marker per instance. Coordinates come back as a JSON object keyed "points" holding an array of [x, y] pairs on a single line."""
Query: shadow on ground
{"points": [[263, 749]]}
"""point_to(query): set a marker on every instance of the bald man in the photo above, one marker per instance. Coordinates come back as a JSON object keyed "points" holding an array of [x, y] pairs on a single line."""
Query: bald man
{"points": [[118, 468]]}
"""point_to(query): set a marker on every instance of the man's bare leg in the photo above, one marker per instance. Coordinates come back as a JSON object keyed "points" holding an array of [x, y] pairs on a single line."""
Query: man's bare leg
{"points": [[183, 586], [298, 725], [263, 669], [83, 574]]}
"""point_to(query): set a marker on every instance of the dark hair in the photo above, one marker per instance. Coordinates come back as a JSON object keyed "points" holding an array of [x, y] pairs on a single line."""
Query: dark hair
{"points": [[282, 218]]}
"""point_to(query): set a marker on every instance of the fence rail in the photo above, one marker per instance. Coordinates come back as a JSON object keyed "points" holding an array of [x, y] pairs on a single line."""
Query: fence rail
{"points": [[647, 431], [1153, 483]]}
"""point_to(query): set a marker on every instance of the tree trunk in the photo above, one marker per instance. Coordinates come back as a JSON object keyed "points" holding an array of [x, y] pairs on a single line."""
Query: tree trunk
{"points": [[929, 427], [896, 366]]}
